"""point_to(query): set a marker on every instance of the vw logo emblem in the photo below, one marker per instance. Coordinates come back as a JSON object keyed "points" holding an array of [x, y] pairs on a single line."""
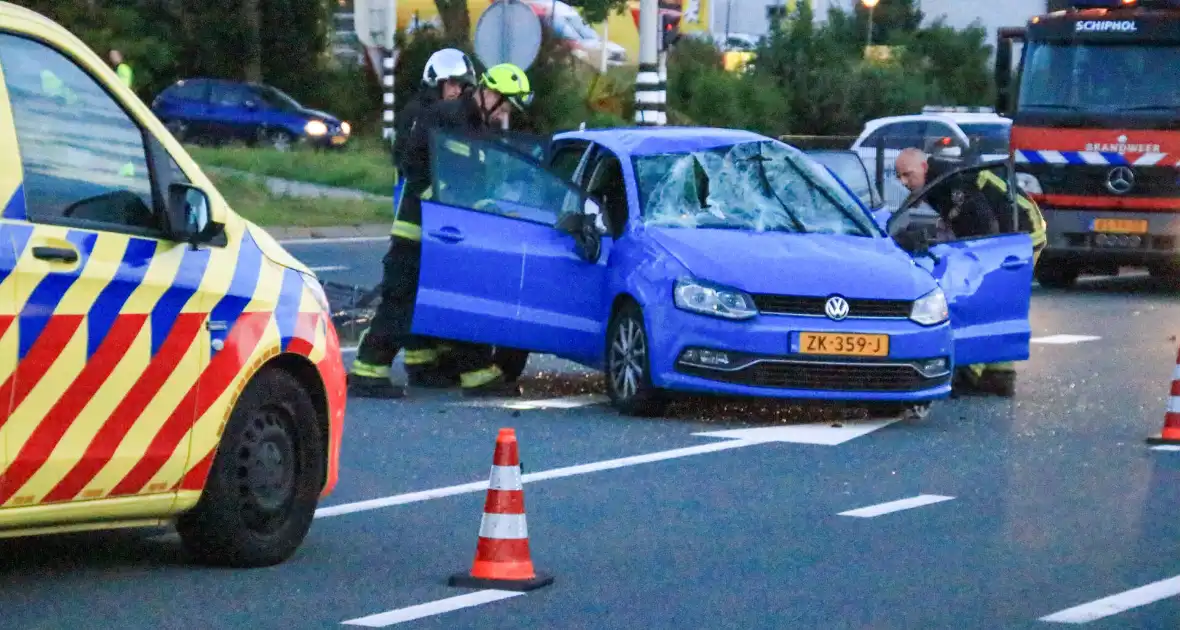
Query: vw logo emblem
{"points": [[1120, 180], [836, 308]]}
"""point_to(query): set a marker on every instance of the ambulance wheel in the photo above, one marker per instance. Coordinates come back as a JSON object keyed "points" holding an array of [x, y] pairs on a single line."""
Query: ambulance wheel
{"points": [[511, 362], [264, 485]]}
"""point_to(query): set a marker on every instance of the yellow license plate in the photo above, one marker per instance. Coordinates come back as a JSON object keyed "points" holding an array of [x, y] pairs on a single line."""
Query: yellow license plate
{"points": [[853, 345], [339, 140], [1120, 226]]}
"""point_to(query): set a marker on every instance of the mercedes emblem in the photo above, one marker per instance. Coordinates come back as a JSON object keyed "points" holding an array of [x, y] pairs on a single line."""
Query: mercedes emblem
{"points": [[1120, 180]]}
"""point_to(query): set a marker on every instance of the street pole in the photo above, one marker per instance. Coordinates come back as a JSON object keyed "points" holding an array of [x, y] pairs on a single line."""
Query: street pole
{"points": [[870, 5], [650, 91]]}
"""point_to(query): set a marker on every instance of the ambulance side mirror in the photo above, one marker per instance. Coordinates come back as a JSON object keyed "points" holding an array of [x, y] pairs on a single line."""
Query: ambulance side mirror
{"points": [[189, 214]]}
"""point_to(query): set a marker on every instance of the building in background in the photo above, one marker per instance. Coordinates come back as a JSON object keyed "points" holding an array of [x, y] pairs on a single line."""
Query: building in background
{"points": [[752, 16]]}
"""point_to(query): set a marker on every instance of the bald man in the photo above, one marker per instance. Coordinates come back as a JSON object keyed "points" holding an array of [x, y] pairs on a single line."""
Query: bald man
{"points": [[911, 168]]}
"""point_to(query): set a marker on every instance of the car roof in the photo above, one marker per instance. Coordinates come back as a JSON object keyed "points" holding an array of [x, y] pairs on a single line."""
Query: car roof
{"points": [[950, 118], [634, 141]]}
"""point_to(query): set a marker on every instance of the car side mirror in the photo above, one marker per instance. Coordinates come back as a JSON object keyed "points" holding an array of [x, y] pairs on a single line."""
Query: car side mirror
{"points": [[587, 228], [190, 217]]}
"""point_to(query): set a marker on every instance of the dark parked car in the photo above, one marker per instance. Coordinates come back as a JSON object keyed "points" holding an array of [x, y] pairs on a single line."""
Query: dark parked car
{"points": [[219, 111]]}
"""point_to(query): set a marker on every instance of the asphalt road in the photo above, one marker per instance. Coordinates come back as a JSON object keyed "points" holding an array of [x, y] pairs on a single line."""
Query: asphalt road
{"points": [[1028, 507]]}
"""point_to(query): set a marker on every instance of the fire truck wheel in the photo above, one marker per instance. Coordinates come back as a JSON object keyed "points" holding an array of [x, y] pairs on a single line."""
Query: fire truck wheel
{"points": [[263, 487], [1055, 275]]}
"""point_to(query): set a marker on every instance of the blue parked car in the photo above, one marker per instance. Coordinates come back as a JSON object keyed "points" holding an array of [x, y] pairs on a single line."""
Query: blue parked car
{"points": [[709, 261], [217, 111]]}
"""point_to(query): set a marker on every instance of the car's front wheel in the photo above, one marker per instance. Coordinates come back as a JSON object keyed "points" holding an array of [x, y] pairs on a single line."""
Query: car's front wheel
{"points": [[264, 484], [628, 365]]}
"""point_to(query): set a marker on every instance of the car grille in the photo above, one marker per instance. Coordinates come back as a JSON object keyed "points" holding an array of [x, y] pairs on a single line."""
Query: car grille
{"points": [[1090, 180], [806, 305], [864, 377]]}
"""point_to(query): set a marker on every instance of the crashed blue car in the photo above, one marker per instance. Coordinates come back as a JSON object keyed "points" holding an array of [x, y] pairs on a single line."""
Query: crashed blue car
{"points": [[708, 261]]}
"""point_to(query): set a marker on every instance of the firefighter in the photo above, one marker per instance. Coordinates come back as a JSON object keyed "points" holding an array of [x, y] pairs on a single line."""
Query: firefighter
{"points": [[966, 208], [484, 107], [447, 73]]}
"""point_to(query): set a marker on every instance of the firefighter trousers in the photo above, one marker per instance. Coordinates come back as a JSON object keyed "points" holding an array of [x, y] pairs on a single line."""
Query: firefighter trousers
{"points": [[389, 330]]}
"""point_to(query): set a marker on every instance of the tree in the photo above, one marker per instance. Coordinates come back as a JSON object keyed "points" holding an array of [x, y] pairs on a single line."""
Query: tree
{"points": [[889, 17], [595, 11], [252, 20], [456, 20]]}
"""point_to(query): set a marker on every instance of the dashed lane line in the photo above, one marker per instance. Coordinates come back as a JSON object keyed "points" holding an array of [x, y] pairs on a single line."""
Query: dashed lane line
{"points": [[1064, 339], [896, 506], [329, 268], [333, 241], [565, 402], [1117, 603], [430, 609]]}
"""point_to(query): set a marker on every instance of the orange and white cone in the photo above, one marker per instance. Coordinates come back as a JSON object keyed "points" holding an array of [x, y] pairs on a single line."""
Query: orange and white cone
{"points": [[502, 558], [1171, 431]]}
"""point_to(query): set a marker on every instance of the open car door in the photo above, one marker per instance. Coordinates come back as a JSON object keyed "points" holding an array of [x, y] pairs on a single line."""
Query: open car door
{"points": [[489, 205], [987, 279]]}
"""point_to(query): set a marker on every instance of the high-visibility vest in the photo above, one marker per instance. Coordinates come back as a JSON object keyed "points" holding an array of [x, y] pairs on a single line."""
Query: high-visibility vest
{"points": [[126, 74]]}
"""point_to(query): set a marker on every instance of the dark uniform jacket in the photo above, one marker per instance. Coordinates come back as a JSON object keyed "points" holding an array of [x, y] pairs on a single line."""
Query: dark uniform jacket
{"points": [[406, 120], [961, 204]]}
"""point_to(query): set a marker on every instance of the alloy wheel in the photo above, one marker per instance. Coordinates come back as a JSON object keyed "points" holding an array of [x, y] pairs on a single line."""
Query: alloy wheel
{"points": [[628, 355]]}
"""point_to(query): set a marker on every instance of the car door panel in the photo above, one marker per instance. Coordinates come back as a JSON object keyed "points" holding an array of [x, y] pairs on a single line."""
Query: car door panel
{"points": [[988, 285], [13, 236], [469, 282], [561, 302]]}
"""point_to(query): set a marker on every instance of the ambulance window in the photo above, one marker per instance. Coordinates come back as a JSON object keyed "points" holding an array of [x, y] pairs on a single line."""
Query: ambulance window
{"points": [[84, 159]]}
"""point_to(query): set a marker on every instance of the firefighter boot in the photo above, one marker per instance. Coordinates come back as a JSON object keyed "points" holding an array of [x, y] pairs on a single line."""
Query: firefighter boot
{"points": [[488, 382]]}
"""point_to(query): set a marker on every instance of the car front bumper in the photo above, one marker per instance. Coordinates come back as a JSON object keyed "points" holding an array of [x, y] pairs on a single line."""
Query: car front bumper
{"points": [[1071, 239], [764, 358]]}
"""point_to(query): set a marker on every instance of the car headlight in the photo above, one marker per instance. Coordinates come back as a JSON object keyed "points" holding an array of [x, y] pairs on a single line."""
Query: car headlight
{"points": [[710, 299], [930, 309], [346, 128], [315, 128], [1028, 183]]}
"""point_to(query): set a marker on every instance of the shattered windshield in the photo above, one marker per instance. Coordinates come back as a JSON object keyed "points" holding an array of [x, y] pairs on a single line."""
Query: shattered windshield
{"points": [[760, 186]]}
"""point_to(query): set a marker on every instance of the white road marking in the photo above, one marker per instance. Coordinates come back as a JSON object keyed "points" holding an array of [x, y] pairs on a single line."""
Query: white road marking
{"points": [[351, 350], [567, 402], [1117, 603], [332, 241], [757, 436], [1064, 339], [1166, 447], [329, 268], [896, 506], [381, 620], [823, 433]]}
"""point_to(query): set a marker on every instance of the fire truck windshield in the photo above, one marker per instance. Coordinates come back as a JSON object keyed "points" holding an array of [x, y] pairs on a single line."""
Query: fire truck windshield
{"points": [[1100, 78]]}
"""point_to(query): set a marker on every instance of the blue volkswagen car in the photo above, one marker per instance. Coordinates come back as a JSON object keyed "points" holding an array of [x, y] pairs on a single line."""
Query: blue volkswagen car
{"points": [[707, 261], [218, 111]]}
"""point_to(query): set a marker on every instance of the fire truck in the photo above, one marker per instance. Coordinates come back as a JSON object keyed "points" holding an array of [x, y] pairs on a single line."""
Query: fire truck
{"points": [[1095, 102]]}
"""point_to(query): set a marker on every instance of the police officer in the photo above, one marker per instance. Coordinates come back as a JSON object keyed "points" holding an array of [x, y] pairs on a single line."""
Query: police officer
{"points": [[482, 108], [966, 208], [447, 73]]}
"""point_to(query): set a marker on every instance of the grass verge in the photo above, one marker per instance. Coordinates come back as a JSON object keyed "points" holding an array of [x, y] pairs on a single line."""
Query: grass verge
{"points": [[363, 167], [254, 201]]}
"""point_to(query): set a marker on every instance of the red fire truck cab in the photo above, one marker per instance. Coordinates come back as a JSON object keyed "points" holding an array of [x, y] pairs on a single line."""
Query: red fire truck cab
{"points": [[1095, 105]]}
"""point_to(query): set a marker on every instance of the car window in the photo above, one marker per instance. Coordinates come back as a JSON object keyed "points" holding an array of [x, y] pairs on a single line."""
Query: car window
{"points": [[230, 95], [487, 175], [84, 158], [566, 159], [988, 138], [189, 91], [897, 136], [607, 184], [275, 98], [758, 186], [971, 203], [848, 167]]}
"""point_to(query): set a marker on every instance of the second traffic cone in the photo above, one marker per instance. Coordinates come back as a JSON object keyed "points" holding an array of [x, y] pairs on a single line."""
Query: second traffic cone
{"points": [[1171, 431], [502, 558]]}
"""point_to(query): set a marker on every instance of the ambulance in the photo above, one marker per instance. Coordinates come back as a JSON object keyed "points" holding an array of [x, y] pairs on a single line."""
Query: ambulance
{"points": [[163, 361]]}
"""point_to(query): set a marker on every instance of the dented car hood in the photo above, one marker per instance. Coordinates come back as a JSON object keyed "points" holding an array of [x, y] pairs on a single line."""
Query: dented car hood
{"points": [[796, 264]]}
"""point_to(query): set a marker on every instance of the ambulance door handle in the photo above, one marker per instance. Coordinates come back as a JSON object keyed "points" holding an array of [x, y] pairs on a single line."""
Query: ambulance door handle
{"points": [[62, 254]]}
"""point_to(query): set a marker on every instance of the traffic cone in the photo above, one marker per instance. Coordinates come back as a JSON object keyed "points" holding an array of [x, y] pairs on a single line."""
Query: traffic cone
{"points": [[1171, 431], [502, 559]]}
